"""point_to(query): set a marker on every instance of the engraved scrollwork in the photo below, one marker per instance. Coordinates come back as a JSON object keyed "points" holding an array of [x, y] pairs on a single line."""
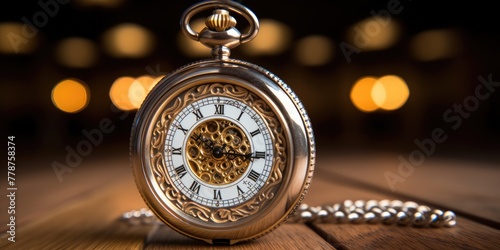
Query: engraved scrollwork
{"points": [[157, 153]]}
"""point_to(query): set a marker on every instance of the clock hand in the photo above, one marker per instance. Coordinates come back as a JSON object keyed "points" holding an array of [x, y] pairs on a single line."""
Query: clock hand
{"points": [[217, 151], [231, 152], [209, 143], [247, 156]]}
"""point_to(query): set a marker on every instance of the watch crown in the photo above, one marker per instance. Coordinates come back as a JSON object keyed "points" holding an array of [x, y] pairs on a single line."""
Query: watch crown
{"points": [[220, 20]]}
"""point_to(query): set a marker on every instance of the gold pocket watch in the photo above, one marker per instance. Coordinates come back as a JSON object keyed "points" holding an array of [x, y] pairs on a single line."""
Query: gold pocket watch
{"points": [[222, 149]]}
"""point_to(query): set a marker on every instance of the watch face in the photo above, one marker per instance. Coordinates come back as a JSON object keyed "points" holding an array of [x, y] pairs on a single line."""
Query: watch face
{"points": [[214, 156], [218, 150], [222, 152]]}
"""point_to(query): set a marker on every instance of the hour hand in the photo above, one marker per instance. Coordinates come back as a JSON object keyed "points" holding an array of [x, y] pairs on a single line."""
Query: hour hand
{"points": [[256, 155], [206, 142]]}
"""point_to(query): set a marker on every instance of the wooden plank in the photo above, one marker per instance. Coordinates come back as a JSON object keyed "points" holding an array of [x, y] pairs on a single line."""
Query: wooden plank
{"points": [[88, 223], [467, 187], [287, 236], [467, 234], [39, 192], [81, 212]]}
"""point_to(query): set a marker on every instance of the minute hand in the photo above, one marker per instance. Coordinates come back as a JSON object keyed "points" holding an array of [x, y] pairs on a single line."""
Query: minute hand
{"points": [[247, 156]]}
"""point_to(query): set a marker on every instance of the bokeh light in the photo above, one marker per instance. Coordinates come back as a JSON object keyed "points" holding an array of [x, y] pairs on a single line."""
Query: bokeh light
{"points": [[315, 50], [128, 93], [76, 52], [435, 44], [71, 95], [17, 38], [374, 33], [274, 38], [361, 94], [128, 40], [390, 92], [146, 81], [119, 93], [137, 93]]}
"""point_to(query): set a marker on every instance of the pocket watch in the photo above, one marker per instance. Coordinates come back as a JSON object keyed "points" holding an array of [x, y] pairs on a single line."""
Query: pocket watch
{"points": [[222, 150]]}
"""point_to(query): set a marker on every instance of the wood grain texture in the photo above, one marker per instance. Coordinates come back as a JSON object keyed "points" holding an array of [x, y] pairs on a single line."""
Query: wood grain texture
{"points": [[467, 187], [466, 235], [82, 212], [79, 213], [89, 222], [287, 236]]}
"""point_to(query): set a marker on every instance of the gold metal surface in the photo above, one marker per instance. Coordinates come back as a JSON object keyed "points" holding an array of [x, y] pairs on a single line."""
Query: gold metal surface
{"points": [[212, 151], [220, 20]]}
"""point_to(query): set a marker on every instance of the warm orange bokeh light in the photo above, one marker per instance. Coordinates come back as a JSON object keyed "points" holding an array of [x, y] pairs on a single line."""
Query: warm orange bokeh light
{"points": [[433, 45], [274, 38], [314, 50], [374, 33], [70, 95], [119, 93], [390, 92], [129, 40], [361, 94], [12, 40], [136, 94], [76, 52], [128, 93], [148, 82]]}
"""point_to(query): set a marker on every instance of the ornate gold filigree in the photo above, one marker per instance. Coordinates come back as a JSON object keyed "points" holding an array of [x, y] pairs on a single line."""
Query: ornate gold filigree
{"points": [[157, 157]]}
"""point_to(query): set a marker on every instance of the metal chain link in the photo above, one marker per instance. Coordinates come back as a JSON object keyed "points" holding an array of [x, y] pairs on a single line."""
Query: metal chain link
{"points": [[371, 212], [142, 216]]}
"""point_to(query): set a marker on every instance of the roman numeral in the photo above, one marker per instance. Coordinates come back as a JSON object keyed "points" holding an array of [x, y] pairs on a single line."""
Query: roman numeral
{"points": [[176, 151], [259, 155], [217, 195], [178, 126], [219, 109], [240, 192], [180, 171], [198, 114], [195, 187], [241, 113], [254, 133], [254, 176]]}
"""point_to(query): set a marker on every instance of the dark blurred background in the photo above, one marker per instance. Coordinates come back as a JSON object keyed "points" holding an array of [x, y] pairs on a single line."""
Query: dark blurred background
{"points": [[369, 83]]}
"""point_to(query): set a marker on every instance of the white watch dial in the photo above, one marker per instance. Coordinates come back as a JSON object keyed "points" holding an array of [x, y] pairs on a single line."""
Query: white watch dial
{"points": [[218, 152]]}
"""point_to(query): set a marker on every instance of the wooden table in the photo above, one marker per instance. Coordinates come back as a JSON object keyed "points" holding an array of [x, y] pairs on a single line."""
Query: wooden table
{"points": [[82, 211]]}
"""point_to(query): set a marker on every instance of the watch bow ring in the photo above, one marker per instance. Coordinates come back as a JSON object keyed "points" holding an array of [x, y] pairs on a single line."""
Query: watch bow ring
{"points": [[222, 150]]}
